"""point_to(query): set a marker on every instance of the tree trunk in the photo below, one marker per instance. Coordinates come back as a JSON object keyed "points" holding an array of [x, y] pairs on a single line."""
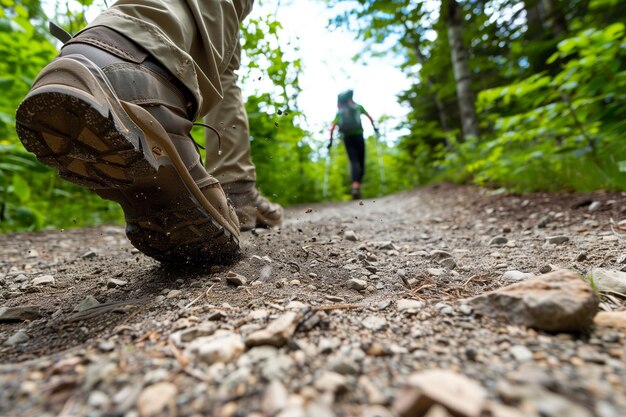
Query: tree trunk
{"points": [[460, 65], [534, 24], [441, 109], [553, 18]]}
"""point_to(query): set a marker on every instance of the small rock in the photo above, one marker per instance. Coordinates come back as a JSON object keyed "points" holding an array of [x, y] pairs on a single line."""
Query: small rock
{"points": [[545, 269], [582, 257], [328, 345], [448, 263], [223, 346], [87, 303], [345, 366], [383, 304], [235, 279], [614, 319], [274, 399], [90, 254], [557, 240], [609, 280], [14, 314], [43, 280], [466, 309], [595, 206], [18, 337], [334, 299], [277, 367], [350, 235], [521, 353], [515, 276], [332, 382], [277, 333], [356, 284], [435, 272], [444, 308], [173, 294], [157, 400], [106, 346], [98, 400], [409, 306], [375, 323], [453, 391], [557, 302], [438, 255], [295, 283], [498, 240], [265, 274], [114, 282]]}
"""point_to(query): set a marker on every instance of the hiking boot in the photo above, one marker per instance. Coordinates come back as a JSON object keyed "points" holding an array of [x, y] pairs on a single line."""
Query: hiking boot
{"points": [[253, 210], [356, 192], [109, 117]]}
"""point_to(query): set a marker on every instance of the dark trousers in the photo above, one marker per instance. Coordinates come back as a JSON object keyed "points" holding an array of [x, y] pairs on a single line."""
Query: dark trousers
{"points": [[355, 146]]}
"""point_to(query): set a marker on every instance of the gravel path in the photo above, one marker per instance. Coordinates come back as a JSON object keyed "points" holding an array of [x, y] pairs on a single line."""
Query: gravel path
{"points": [[351, 309]]}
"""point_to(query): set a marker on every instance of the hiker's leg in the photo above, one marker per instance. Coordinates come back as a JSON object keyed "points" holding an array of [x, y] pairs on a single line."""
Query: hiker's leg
{"points": [[229, 117], [114, 114], [194, 39], [360, 150], [234, 167], [355, 156]]}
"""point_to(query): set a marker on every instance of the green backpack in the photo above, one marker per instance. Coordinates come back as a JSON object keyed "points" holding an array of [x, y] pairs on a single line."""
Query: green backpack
{"points": [[348, 113]]}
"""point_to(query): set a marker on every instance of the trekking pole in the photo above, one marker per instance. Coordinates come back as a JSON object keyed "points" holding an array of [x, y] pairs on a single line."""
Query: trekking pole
{"points": [[326, 174], [381, 166]]}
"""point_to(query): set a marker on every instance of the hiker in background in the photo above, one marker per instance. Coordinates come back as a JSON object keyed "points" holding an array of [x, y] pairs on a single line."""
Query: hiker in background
{"points": [[348, 119]]}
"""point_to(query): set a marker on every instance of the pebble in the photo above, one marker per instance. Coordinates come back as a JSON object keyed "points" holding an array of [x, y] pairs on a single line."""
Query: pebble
{"points": [[236, 279], [157, 400], [332, 382], [345, 366], [22, 313], [435, 272], [498, 240], [16, 338], [90, 254], [609, 280], [375, 323], [87, 303], [114, 282], [350, 235], [334, 298], [223, 346], [515, 276], [356, 284], [557, 240], [43, 280], [595, 206], [277, 333], [521, 353], [274, 399], [173, 294], [98, 400]]}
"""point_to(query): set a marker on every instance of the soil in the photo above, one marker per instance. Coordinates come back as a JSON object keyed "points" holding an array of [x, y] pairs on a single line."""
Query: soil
{"points": [[102, 360]]}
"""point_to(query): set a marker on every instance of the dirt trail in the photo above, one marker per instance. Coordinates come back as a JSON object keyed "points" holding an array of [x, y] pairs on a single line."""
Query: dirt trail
{"points": [[340, 270]]}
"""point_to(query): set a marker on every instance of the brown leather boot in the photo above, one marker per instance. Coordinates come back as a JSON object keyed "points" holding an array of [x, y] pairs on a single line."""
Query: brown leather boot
{"points": [[251, 207], [108, 116]]}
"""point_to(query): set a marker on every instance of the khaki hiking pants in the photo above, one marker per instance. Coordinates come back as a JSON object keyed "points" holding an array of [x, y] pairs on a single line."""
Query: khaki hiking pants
{"points": [[198, 42]]}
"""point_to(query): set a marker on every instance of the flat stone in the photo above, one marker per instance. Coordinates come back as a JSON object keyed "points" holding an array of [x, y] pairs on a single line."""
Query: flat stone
{"points": [[455, 392], [90, 254], [375, 323], [345, 366], [222, 346], [114, 283], [609, 280], [236, 279], [498, 240], [356, 284], [87, 303], [14, 314], [435, 272], [173, 294], [16, 338], [515, 276], [274, 399], [614, 319], [43, 280], [407, 305], [556, 302], [521, 353], [157, 400], [350, 235], [557, 240], [277, 333], [332, 382]]}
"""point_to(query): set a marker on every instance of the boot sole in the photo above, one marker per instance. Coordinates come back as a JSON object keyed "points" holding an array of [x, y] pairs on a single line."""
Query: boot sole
{"points": [[93, 145]]}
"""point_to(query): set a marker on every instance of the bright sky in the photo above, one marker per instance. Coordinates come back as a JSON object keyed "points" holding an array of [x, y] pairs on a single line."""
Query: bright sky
{"points": [[328, 67]]}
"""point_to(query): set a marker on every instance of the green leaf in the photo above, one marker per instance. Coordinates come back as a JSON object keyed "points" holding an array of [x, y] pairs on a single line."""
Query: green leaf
{"points": [[21, 188]]}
